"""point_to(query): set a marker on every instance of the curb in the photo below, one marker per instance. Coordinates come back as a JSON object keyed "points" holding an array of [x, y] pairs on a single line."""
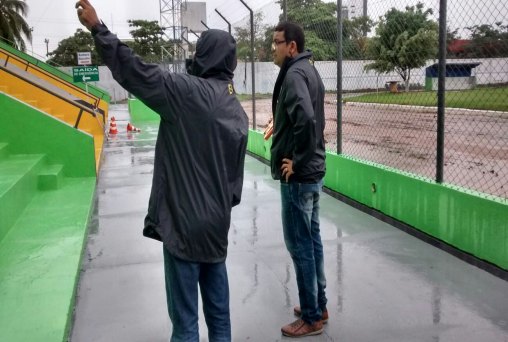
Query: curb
{"points": [[422, 108]]}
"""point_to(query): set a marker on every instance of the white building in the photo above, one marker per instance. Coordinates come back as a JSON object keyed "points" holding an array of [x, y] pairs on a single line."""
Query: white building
{"points": [[356, 8]]}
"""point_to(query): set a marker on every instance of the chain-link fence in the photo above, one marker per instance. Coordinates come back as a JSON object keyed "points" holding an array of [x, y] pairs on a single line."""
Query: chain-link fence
{"points": [[404, 89]]}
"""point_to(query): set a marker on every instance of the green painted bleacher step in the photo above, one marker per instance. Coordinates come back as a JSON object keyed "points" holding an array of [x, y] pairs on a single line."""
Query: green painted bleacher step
{"points": [[50, 177], [18, 184], [40, 260], [3, 150]]}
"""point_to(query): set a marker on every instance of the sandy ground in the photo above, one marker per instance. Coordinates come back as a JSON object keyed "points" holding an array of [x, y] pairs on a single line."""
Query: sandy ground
{"points": [[405, 137]]}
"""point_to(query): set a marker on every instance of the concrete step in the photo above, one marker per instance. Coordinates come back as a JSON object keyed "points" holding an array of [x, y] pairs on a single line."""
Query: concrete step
{"points": [[18, 184], [50, 177], [40, 260], [4, 150]]}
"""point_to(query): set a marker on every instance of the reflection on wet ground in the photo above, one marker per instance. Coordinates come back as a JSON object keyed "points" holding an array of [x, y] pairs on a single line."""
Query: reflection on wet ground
{"points": [[383, 284]]}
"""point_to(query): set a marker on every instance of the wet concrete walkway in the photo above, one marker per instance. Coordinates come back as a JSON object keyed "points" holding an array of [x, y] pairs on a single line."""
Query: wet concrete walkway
{"points": [[383, 284]]}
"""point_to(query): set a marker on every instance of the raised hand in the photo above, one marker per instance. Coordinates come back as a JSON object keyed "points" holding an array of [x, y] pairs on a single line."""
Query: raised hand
{"points": [[86, 14]]}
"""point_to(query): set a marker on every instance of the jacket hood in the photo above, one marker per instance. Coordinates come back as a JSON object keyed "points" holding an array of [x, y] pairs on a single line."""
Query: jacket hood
{"points": [[215, 55]]}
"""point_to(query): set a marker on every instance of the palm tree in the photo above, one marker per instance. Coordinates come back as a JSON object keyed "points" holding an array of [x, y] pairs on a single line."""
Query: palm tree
{"points": [[13, 24]]}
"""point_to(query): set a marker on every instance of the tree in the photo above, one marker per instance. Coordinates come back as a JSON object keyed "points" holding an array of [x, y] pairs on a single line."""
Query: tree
{"points": [[66, 52], [319, 22], [404, 40], [354, 35], [488, 41], [12, 23], [243, 40], [148, 41]]}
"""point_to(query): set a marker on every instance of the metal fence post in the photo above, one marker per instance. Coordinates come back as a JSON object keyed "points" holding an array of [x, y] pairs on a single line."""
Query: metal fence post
{"points": [[252, 65], [227, 22], [339, 76], [441, 87]]}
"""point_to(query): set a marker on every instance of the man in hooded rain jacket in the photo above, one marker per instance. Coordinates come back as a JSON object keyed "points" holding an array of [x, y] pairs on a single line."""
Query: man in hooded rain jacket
{"points": [[198, 169]]}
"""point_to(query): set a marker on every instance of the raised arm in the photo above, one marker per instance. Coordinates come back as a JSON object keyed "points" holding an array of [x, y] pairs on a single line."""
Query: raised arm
{"points": [[146, 81]]}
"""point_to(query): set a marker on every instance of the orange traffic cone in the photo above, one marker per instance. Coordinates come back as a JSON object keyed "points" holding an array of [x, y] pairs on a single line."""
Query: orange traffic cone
{"points": [[132, 128], [112, 126]]}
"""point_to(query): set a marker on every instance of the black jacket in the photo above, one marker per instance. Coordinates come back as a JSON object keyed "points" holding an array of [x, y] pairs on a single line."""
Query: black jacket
{"points": [[299, 120], [201, 144]]}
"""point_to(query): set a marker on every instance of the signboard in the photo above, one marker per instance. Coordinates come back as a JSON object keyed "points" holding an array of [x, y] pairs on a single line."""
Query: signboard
{"points": [[192, 14], [86, 73], [84, 58]]}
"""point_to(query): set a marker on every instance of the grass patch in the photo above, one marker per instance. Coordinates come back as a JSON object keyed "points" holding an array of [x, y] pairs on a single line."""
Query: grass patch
{"points": [[482, 98], [246, 97]]}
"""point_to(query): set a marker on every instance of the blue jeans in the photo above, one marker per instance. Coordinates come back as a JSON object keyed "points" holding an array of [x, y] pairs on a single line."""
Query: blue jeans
{"points": [[182, 278], [300, 222]]}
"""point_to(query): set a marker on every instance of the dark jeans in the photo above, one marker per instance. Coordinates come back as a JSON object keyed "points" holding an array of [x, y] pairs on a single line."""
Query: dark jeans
{"points": [[182, 280], [300, 221]]}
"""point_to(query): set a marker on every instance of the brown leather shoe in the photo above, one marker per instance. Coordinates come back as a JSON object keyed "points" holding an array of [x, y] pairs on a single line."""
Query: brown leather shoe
{"points": [[298, 313], [300, 328]]}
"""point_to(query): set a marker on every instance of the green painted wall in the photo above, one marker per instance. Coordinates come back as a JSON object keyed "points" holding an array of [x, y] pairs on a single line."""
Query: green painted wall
{"points": [[259, 146], [29, 131], [102, 94], [140, 112], [463, 219], [428, 83]]}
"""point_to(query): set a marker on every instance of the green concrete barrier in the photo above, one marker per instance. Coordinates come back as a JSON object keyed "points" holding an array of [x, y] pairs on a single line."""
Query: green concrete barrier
{"points": [[464, 219], [48, 178], [30, 131], [140, 112]]}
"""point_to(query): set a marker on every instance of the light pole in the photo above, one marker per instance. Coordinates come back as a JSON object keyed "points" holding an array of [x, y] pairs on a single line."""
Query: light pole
{"points": [[46, 40], [31, 40]]}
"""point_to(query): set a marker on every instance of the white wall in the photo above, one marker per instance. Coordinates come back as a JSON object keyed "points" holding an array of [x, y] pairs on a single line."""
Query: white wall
{"points": [[490, 71]]}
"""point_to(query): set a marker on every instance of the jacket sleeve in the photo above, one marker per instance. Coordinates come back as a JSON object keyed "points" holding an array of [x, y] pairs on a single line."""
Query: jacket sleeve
{"points": [[147, 82], [240, 166], [301, 115]]}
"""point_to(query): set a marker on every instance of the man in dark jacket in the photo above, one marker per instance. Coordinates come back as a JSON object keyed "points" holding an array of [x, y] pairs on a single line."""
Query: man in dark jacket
{"points": [[198, 169], [298, 161]]}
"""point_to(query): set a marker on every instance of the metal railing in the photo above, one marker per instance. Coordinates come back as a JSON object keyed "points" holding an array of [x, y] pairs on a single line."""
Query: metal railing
{"points": [[94, 111], [96, 100]]}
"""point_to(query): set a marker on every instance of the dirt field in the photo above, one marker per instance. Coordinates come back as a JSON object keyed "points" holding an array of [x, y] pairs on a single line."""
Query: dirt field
{"points": [[404, 137]]}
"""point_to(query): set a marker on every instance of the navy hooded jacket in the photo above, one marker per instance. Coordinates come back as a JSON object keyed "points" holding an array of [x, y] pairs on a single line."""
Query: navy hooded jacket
{"points": [[201, 144]]}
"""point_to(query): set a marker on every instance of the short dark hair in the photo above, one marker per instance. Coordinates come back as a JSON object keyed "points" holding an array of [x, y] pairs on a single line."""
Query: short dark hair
{"points": [[292, 32]]}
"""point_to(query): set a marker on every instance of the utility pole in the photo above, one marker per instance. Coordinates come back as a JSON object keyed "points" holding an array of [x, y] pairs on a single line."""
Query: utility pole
{"points": [[46, 40], [31, 40]]}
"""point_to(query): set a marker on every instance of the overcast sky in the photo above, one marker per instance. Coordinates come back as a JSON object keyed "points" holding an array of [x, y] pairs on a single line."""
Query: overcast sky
{"points": [[56, 19]]}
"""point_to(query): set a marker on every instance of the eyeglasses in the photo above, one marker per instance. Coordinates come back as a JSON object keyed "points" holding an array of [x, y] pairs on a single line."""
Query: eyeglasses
{"points": [[275, 43]]}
